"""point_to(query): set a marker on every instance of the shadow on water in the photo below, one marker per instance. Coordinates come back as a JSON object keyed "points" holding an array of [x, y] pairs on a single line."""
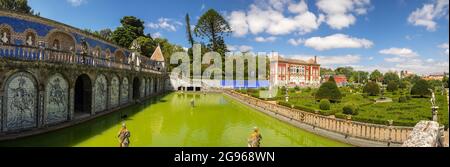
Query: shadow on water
{"points": [[74, 135]]}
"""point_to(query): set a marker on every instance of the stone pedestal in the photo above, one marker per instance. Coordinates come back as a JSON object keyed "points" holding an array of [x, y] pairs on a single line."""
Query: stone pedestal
{"points": [[424, 134]]}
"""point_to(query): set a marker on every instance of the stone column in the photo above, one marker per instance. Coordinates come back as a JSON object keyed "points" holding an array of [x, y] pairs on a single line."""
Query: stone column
{"points": [[93, 97], [71, 104], [108, 95], [391, 122], [40, 109], [1, 112]]}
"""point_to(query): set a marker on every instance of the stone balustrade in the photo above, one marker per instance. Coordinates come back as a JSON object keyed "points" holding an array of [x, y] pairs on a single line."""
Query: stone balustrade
{"points": [[349, 128], [46, 55]]}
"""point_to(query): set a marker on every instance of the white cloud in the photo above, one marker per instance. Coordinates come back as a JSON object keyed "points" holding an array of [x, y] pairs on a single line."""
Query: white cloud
{"points": [[76, 3], [370, 58], [444, 46], [238, 22], [165, 23], [271, 16], [203, 7], [427, 15], [156, 35], [330, 61], [394, 60], [337, 41], [402, 52], [240, 48], [295, 42], [429, 60], [339, 13], [245, 48], [268, 39], [423, 67]]}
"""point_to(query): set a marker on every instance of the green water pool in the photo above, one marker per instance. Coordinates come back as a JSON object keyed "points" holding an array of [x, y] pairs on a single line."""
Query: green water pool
{"points": [[170, 121]]}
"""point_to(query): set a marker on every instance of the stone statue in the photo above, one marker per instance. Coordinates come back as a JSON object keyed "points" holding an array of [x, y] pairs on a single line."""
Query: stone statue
{"points": [[135, 45], [433, 98], [29, 40], [5, 38], [84, 46]]}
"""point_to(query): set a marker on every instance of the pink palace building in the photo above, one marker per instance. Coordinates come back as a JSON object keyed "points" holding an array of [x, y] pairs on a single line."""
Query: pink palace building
{"points": [[294, 72]]}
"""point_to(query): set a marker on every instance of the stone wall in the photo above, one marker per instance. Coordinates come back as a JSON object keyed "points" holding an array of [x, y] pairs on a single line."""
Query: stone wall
{"points": [[40, 63]]}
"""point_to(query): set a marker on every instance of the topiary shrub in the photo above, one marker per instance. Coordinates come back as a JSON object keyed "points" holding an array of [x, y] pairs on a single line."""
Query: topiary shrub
{"points": [[330, 91], [372, 89], [402, 99], [365, 95], [421, 88], [324, 104], [350, 109]]}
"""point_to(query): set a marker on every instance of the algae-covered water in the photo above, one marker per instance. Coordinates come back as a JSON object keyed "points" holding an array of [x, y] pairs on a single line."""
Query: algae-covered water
{"points": [[170, 121]]}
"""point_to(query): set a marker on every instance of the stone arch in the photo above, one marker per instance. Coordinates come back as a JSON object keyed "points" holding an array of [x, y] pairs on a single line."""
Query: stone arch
{"points": [[124, 93], [155, 85], [56, 99], [83, 96], [21, 101], [136, 88], [60, 40], [100, 93], [115, 86], [30, 37], [6, 34]]}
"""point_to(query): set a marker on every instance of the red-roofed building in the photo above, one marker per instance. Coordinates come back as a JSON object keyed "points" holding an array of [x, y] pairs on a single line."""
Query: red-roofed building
{"points": [[341, 80], [294, 72]]}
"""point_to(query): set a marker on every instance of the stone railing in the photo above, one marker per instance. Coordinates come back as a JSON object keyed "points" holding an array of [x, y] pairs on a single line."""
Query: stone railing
{"points": [[373, 132], [26, 53]]}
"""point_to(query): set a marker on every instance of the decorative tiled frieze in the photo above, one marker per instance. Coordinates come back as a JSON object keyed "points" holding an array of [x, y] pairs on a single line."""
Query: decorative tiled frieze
{"points": [[21, 102], [100, 91], [56, 100]]}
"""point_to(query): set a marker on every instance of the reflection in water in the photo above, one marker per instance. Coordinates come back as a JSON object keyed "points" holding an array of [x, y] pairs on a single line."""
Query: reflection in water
{"points": [[170, 121]]}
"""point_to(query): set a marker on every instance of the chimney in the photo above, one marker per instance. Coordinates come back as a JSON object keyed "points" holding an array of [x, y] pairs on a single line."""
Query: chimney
{"points": [[315, 59]]}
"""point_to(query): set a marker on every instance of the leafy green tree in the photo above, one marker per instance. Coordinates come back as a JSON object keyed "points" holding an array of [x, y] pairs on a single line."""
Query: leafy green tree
{"points": [[131, 29], [404, 84], [326, 71], [376, 76], [329, 90], [360, 76], [167, 49], [20, 6], [392, 86], [445, 81], [347, 71], [213, 26], [371, 88], [412, 79], [390, 76], [421, 88], [435, 83], [147, 45], [106, 33]]}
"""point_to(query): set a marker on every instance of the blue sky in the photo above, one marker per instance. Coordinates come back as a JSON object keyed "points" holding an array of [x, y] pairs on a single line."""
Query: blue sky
{"points": [[365, 34]]}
